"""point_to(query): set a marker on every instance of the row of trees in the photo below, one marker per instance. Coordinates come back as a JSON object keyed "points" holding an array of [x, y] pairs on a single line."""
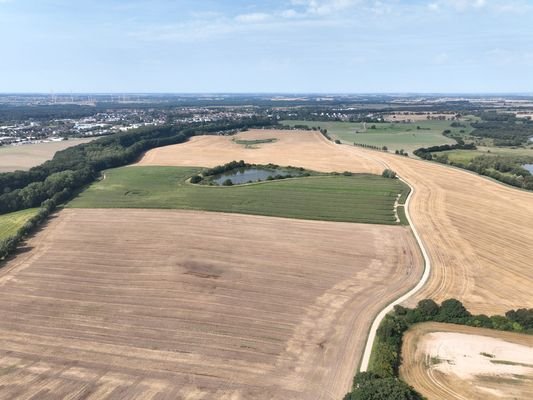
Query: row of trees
{"points": [[382, 381], [426, 152], [76, 166]]}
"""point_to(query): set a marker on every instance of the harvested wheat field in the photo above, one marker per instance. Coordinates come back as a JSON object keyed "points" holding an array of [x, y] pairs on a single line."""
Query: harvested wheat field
{"points": [[477, 232], [154, 304], [296, 148], [445, 361], [25, 156]]}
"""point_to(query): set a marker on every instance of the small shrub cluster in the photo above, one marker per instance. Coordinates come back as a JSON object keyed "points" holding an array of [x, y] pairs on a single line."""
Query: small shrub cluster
{"points": [[220, 169], [388, 173], [401, 152]]}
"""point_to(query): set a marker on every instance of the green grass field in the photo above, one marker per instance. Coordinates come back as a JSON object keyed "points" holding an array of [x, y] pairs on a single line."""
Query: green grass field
{"points": [[395, 136], [357, 198], [10, 223], [465, 156]]}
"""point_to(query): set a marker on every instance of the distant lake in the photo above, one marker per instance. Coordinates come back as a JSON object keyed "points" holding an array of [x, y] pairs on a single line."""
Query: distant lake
{"points": [[529, 167], [246, 175]]}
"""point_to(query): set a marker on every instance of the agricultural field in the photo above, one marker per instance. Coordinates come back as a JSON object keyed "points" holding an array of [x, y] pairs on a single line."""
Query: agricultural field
{"points": [[10, 223], [465, 156], [477, 232], [24, 157], [357, 198], [168, 304], [445, 361], [296, 148], [395, 136]]}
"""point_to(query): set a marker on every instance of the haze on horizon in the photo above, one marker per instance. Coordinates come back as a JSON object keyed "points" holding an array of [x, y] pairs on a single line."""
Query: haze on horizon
{"points": [[272, 46]]}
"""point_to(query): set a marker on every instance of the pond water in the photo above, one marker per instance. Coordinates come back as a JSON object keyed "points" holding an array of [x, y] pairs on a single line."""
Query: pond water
{"points": [[246, 175], [529, 167]]}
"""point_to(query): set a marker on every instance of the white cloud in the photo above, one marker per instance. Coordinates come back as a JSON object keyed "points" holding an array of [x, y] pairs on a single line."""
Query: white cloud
{"points": [[441, 58], [324, 7], [252, 18]]}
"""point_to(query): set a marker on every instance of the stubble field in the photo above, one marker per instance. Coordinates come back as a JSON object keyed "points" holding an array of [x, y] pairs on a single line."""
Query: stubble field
{"points": [[477, 232], [159, 304], [24, 157]]}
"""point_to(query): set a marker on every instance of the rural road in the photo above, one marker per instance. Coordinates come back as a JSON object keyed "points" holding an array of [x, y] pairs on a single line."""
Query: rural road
{"points": [[427, 269]]}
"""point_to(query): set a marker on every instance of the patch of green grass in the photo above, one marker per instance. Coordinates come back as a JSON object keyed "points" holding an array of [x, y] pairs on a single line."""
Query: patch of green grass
{"points": [[487, 355], [358, 198], [394, 135], [465, 156], [255, 142], [11, 222]]}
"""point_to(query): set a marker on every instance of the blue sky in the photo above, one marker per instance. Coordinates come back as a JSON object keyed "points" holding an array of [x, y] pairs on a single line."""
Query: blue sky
{"points": [[333, 46]]}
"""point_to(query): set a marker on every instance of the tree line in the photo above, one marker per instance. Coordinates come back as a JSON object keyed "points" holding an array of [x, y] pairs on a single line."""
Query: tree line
{"points": [[73, 168], [382, 380], [426, 152], [504, 128]]}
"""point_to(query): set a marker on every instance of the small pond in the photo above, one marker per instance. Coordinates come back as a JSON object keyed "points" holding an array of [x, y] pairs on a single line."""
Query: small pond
{"points": [[529, 167], [245, 175]]}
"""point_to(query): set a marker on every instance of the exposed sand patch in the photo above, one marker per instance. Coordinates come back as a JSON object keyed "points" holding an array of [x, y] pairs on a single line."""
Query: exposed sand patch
{"points": [[445, 361], [469, 356]]}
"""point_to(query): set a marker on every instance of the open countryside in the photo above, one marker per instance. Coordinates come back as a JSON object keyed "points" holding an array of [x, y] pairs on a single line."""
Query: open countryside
{"points": [[233, 306], [278, 200], [457, 213], [358, 198]]}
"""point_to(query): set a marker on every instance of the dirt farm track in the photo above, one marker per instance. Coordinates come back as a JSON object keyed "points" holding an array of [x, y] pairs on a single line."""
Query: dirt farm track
{"points": [[477, 232], [168, 304]]}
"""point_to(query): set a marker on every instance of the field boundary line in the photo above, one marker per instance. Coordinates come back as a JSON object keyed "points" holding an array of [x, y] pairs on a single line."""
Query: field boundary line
{"points": [[363, 367]]}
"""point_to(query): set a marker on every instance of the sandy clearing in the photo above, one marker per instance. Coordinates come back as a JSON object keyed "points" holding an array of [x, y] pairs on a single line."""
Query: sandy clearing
{"points": [[24, 157], [175, 304], [477, 232], [445, 361], [298, 148]]}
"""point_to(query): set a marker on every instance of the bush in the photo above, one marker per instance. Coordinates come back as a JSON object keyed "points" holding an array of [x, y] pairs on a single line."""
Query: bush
{"points": [[227, 182], [388, 173], [196, 179], [337, 141], [370, 386]]}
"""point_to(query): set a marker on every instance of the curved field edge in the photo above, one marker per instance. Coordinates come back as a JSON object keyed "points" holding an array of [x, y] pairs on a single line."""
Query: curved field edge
{"points": [[369, 347], [241, 263], [419, 369], [360, 198]]}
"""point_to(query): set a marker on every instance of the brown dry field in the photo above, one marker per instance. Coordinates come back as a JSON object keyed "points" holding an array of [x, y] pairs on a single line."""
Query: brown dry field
{"points": [[168, 304], [24, 157], [300, 149], [424, 374], [478, 232]]}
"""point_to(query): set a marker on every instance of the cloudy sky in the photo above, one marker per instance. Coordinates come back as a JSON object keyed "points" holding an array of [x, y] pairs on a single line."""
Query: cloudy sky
{"points": [[334, 46]]}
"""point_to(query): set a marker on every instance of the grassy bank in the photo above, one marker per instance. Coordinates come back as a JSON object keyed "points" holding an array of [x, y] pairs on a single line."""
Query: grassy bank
{"points": [[10, 223]]}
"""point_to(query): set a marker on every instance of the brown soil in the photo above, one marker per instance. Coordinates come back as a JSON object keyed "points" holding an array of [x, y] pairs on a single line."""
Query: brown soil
{"points": [[153, 304], [477, 232]]}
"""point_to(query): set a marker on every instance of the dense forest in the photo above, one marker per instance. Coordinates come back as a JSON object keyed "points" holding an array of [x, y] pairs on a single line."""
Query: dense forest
{"points": [[504, 128]]}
